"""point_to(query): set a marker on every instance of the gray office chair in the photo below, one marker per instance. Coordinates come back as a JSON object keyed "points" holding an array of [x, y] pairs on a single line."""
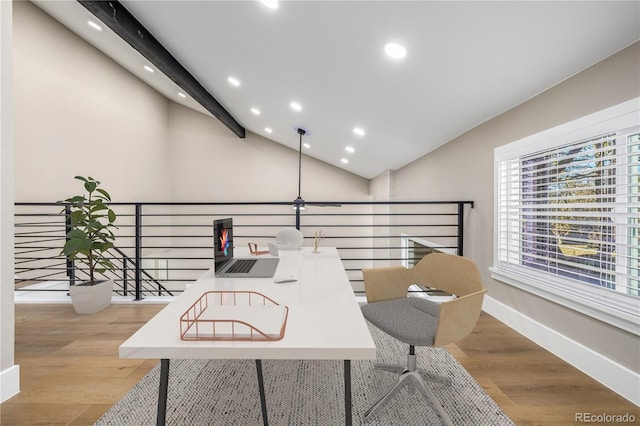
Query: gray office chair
{"points": [[420, 322]]}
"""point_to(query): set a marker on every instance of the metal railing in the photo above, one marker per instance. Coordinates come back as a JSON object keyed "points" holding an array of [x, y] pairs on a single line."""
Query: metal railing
{"points": [[161, 247]]}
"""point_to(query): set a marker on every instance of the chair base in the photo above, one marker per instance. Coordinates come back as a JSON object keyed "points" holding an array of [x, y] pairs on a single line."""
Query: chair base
{"points": [[399, 369], [411, 378]]}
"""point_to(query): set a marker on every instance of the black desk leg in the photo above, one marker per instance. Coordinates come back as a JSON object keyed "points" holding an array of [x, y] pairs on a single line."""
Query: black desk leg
{"points": [[162, 392], [347, 393], [263, 399]]}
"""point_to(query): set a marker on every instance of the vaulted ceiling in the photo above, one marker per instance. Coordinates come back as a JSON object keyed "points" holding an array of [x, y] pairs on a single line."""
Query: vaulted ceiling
{"points": [[465, 63]]}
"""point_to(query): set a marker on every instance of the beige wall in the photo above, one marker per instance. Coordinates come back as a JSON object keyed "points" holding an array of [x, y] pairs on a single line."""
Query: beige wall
{"points": [[463, 169], [7, 382], [210, 163], [79, 113]]}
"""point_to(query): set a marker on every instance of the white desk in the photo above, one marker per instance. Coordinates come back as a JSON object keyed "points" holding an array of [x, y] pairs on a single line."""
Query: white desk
{"points": [[324, 322]]}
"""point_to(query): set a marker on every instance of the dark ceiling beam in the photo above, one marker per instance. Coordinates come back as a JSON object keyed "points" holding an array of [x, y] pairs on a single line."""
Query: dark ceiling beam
{"points": [[124, 24]]}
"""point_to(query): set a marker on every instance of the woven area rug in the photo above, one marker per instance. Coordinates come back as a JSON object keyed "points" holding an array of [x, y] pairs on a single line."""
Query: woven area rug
{"points": [[225, 392]]}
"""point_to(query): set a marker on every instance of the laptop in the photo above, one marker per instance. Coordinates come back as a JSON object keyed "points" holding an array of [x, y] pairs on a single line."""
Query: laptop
{"points": [[227, 266]]}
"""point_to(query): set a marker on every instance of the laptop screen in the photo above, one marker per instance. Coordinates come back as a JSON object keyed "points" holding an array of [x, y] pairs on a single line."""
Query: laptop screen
{"points": [[222, 241]]}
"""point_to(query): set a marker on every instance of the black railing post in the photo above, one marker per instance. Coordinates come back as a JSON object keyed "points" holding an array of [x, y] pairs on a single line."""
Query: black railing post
{"points": [[125, 278], [461, 229], [71, 267], [138, 251]]}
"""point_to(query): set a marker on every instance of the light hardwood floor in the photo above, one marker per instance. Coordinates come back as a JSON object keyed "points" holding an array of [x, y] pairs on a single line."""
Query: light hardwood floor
{"points": [[71, 373]]}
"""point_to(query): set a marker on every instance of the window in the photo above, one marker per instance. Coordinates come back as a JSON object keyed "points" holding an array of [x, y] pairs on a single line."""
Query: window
{"points": [[568, 215]]}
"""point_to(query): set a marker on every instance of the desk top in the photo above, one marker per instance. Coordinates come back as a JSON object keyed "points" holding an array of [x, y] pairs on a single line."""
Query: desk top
{"points": [[325, 321]]}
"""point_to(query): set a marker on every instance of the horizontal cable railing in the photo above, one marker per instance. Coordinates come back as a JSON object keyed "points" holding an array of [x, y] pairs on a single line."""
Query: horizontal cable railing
{"points": [[162, 247]]}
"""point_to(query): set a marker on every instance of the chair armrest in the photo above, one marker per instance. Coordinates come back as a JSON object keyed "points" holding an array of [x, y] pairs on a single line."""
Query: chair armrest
{"points": [[458, 317], [386, 283]]}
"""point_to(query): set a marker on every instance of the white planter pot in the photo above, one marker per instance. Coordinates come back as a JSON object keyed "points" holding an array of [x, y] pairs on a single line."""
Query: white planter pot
{"points": [[89, 299]]}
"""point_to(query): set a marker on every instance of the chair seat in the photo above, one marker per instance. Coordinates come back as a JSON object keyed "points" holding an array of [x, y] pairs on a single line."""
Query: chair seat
{"points": [[412, 320]]}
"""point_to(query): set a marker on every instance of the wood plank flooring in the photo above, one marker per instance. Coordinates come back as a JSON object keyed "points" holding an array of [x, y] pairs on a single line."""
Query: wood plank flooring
{"points": [[71, 373]]}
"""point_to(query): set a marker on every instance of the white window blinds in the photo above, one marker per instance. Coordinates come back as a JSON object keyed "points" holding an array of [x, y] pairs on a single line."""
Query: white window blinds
{"points": [[568, 213]]}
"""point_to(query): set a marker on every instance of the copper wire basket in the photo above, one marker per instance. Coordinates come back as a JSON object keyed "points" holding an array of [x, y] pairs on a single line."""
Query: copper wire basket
{"points": [[234, 316]]}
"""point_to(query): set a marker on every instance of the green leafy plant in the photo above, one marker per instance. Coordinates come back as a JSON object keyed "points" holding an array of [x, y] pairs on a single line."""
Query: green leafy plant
{"points": [[92, 221]]}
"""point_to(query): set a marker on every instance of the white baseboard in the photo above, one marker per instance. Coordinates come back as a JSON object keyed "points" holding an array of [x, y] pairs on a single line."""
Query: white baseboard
{"points": [[9, 382], [616, 377]]}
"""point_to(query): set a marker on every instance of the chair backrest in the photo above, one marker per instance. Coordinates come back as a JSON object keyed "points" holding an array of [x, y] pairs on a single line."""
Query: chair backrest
{"points": [[457, 275]]}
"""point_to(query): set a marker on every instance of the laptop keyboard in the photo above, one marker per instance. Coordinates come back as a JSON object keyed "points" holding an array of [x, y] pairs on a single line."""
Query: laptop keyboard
{"points": [[241, 266]]}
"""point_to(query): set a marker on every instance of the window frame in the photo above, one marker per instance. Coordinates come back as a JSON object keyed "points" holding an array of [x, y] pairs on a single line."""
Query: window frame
{"points": [[613, 307]]}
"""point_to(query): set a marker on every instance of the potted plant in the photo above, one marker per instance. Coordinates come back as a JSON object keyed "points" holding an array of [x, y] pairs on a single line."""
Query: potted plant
{"points": [[88, 240]]}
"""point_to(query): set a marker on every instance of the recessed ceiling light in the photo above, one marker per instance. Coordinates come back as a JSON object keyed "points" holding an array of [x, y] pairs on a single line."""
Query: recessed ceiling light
{"points": [[94, 25], [256, 111], [268, 130], [395, 50], [306, 145], [350, 149], [234, 81], [271, 4], [295, 106], [182, 95], [358, 131], [344, 160], [148, 68]]}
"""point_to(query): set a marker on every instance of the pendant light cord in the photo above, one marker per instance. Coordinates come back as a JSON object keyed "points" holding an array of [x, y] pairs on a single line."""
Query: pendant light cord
{"points": [[300, 132]]}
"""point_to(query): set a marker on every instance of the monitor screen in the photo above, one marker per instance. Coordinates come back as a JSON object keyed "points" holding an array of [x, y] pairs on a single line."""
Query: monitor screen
{"points": [[222, 241]]}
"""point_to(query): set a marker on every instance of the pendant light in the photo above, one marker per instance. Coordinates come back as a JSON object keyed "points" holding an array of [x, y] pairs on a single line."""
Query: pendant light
{"points": [[298, 203]]}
